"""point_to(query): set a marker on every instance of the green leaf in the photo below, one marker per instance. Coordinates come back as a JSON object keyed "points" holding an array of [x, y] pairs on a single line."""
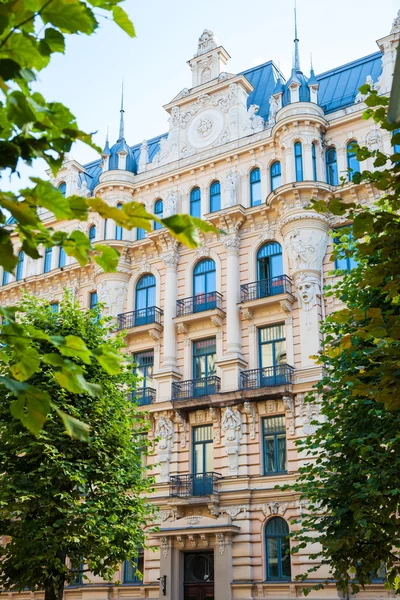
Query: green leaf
{"points": [[71, 17], [28, 364], [75, 428], [107, 257], [122, 19], [72, 346], [76, 384], [32, 405], [55, 39], [108, 358], [186, 229]]}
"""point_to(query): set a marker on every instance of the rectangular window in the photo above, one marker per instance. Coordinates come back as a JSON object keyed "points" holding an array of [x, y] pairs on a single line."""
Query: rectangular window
{"points": [[344, 263], [6, 278], [93, 299], [105, 229], [202, 449], [272, 355], [274, 445], [133, 569], [314, 161], [140, 233], [204, 367], [54, 307], [298, 160], [144, 366], [62, 258], [47, 260]]}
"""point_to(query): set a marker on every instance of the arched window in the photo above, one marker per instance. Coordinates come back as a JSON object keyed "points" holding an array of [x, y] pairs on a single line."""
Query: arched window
{"points": [[145, 300], [277, 549], [62, 258], [204, 285], [20, 266], [63, 188], [353, 165], [331, 167], [92, 233], [158, 211], [276, 175], [118, 228], [269, 261], [140, 233], [255, 187], [314, 160], [195, 202], [47, 260], [215, 196], [6, 278], [298, 161]]}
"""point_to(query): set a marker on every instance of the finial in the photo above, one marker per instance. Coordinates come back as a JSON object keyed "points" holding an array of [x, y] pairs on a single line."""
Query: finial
{"points": [[121, 122], [296, 57]]}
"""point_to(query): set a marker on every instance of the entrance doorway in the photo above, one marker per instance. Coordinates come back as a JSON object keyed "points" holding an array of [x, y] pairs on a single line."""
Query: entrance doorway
{"points": [[199, 576]]}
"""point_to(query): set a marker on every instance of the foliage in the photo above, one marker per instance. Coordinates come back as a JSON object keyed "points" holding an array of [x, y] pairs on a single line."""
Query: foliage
{"points": [[61, 500], [352, 484], [31, 127]]}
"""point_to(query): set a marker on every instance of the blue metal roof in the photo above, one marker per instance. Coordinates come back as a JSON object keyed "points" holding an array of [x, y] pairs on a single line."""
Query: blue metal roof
{"points": [[337, 89]]}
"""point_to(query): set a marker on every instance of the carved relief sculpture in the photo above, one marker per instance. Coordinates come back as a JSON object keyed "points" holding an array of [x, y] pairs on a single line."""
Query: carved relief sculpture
{"points": [[256, 121], [308, 290], [170, 203], [165, 434], [230, 189], [232, 428]]}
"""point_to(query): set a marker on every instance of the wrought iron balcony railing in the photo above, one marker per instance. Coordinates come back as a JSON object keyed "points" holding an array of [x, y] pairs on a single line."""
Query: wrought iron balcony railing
{"points": [[198, 484], [266, 377], [144, 396], [143, 316], [265, 288], [192, 388], [198, 303]]}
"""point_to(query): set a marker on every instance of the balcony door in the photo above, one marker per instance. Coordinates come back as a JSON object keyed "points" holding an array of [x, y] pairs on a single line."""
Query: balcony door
{"points": [[204, 286], [203, 460], [270, 270], [272, 348], [145, 300], [144, 366], [199, 576], [204, 355]]}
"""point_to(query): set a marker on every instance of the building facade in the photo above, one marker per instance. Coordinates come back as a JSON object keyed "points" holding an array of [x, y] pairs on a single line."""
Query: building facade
{"points": [[222, 336]]}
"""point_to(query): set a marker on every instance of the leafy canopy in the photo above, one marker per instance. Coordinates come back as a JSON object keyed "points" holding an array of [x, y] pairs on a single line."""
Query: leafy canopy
{"points": [[31, 31], [61, 500], [351, 485]]}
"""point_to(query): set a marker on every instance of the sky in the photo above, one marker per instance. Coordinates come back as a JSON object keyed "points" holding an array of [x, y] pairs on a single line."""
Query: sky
{"points": [[153, 66]]}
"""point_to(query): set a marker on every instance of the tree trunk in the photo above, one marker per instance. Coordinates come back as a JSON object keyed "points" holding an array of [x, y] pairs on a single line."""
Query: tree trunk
{"points": [[54, 588]]}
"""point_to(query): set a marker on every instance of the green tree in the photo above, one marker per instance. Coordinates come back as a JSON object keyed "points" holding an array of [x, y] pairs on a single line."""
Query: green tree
{"points": [[64, 502], [352, 484], [31, 31]]}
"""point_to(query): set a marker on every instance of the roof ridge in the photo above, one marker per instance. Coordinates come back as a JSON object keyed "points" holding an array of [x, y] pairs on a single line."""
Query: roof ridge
{"points": [[349, 64]]}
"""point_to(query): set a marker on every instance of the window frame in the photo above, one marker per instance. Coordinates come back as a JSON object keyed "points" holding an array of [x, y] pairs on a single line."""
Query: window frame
{"points": [[255, 185], [349, 261], [195, 203], [5, 280], [213, 194], [332, 174], [127, 563], [62, 258], [203, 444], [279, 538], [47, 261], [351, 156], [62, 188], [275, 435], [314, 160], [19, 273], [157, 204], [91, 236], [119, 234], [273, 177], [298, 161], [93, 294]]}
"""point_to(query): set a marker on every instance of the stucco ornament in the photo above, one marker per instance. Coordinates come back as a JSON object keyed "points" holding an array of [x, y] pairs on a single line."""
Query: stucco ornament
{"points": [[175, 116], [273, 109], [170, 203], [165, 434], [232, 428], [396, 24], [230, 189], [308, 289], [113, 295], [84, 190], [256, 121], [206, 42], [374, 140], [306, 249], [144, 156], [204, 127]]}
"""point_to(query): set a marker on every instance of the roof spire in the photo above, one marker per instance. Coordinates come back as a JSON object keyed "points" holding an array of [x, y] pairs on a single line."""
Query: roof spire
{"points": [[106, 147], [121, 122], [296, 57]]}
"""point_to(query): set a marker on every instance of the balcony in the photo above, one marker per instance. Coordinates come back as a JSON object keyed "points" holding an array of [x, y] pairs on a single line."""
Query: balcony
{"points": [[198, 303], [144, 396], [195, 388], [189, 486], [267, 377], [265, 288], [144, 320], [199, 307]]}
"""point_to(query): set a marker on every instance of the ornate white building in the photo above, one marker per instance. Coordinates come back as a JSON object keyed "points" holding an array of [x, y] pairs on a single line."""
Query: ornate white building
{"points": [[223, 335]]}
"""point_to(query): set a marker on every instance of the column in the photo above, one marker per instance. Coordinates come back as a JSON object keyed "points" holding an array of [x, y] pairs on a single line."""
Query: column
{"points": [[306, 239], [170, 259], [223, 566], [233, 328], [341, 154], [289, 165], [171, 569]]}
